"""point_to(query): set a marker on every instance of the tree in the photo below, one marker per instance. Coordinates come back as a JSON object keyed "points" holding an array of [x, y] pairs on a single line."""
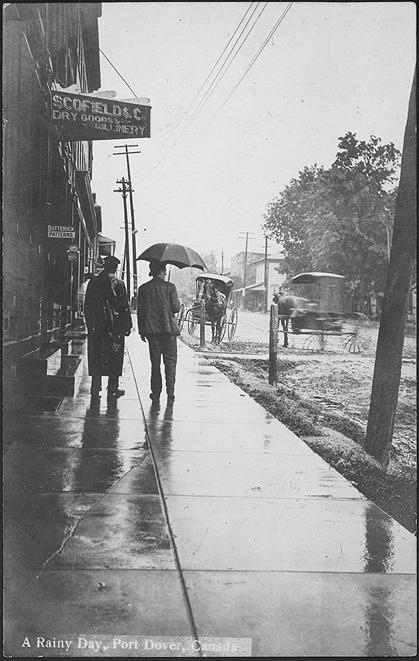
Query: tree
{"points": [[286, 218], [338, 219], [388, 360]]}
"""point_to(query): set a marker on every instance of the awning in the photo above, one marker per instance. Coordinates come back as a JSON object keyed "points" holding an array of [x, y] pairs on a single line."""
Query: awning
{"points": [[259, 286]]}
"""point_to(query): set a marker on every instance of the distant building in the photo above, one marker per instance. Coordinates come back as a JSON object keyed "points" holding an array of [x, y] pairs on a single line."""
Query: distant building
{"points": [[237, 266], [254, 296], [275, 277]]}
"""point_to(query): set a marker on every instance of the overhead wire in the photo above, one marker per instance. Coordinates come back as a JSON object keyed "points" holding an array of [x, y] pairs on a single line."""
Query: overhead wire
{"points": [[209, 75], [163, 157], [256, 56], [120, 75], [254, 59], [218, 78]]}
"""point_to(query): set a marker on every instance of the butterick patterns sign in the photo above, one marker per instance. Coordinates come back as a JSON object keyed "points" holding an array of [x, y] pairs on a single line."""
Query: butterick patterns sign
{"points": [[80, 117], [61, 232]]}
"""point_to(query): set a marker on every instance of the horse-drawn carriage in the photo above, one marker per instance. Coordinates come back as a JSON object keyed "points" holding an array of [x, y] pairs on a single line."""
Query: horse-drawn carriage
{"points": [[214, 300], [315, 307]]}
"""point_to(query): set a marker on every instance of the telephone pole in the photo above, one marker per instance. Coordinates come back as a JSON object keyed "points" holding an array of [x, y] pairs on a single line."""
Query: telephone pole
{"points": [[131, 202], [242, 235], [124, 190], [266, 276]]}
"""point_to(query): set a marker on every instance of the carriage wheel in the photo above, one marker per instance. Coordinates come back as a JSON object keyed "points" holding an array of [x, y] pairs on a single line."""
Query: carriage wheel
{"points": [[181, 316], [223, 328], [232, 324], [316, 342], [356, 335], [192, 324], [357, 342]]}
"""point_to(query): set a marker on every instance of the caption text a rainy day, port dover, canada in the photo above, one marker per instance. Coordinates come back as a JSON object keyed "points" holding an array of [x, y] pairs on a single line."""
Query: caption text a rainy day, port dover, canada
{"points": [[152, 645]]}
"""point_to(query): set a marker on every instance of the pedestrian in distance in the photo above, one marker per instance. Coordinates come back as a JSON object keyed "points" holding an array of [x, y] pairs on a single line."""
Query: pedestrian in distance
{"points": [[108, 321], [157, 304]]}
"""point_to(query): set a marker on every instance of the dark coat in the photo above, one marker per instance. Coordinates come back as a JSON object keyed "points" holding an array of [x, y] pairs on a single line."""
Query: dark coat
{"points": [[157, 304], [108, 320]]}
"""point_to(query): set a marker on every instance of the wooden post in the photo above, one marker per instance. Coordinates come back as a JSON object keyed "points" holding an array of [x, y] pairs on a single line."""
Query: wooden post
{"points": [[202, 325], [273, 345], [388, 360]]}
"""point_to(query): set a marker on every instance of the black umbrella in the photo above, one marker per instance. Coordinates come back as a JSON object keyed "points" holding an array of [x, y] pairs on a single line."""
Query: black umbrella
{"points": [[173, 253]]}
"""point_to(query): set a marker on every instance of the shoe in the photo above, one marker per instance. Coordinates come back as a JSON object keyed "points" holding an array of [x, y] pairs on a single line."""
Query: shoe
{"points": [[116, 393]]}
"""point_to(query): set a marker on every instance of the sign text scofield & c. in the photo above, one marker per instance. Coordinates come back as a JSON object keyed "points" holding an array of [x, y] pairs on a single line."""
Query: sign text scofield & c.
{"points": [[81, 117]]}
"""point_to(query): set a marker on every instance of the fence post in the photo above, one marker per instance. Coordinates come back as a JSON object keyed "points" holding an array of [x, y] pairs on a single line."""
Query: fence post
{"points": [[202, 325], [273, 345]]}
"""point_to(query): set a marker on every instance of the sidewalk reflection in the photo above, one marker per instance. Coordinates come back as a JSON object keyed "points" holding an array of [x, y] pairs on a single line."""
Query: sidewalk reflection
{"points": [[379, 610]]}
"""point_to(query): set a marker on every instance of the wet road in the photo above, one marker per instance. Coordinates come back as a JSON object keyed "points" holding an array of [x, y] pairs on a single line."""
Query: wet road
{"points": [[204, 518]]}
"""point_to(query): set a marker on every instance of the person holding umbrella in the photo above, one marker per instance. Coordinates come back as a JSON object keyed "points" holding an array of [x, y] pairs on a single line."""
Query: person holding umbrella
{"points": [[157, 304]]}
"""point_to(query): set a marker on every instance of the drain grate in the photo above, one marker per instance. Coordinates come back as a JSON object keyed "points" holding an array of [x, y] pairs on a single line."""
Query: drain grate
{"points": [[48, 404]]}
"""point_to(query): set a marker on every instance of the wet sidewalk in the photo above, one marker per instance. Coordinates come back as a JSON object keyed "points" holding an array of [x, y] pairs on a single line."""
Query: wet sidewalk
{"points": [[204, 518]]}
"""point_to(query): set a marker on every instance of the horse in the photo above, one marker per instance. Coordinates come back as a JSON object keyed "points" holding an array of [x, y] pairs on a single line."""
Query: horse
{"points": [[215, 308], [287, 308]]}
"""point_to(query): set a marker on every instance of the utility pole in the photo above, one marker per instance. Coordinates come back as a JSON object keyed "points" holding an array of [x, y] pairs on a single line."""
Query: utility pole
{"points": [[388, 359], [131, 201], [222, 263], [125, 186], [245, 263], [123, 266], [266, 276]]}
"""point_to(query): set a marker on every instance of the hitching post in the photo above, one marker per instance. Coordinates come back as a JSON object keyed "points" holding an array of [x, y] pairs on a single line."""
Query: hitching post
{"points": [[202, 325], [273, 345]]}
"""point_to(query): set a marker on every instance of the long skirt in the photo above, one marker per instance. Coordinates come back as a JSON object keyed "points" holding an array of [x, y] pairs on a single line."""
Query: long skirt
{"points": [[105, 354]]}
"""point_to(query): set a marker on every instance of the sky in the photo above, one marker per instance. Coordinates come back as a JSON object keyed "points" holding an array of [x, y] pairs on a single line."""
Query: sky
{"points": [[329, 68]]}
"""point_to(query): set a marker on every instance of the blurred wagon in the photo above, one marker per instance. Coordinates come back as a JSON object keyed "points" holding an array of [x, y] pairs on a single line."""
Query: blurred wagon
{"points": [[319, 312]]}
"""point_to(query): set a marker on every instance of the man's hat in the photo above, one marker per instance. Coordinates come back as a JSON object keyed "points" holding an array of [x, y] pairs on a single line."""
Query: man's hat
{"points": [[111, 262], [156, 267]]}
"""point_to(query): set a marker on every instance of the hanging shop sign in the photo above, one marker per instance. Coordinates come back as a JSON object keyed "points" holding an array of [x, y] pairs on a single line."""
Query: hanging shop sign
{"points": [[82, 117], [61, 232]]}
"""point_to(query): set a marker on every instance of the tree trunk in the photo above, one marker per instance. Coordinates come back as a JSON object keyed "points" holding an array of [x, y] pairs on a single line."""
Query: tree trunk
{"points": [[388, 361]]}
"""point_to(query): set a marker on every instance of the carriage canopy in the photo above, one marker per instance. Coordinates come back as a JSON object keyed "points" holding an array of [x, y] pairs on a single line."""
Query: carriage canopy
{"points": [[216, 277], [314, 277], [223, 284], [324, 290]]}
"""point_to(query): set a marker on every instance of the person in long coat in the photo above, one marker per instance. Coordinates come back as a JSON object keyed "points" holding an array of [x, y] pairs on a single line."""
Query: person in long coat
{"points": [[157, 304], [108, 320]]}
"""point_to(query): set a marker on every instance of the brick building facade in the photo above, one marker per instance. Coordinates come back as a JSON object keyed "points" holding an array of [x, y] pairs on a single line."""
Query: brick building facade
{"points": [[45, 181]]}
